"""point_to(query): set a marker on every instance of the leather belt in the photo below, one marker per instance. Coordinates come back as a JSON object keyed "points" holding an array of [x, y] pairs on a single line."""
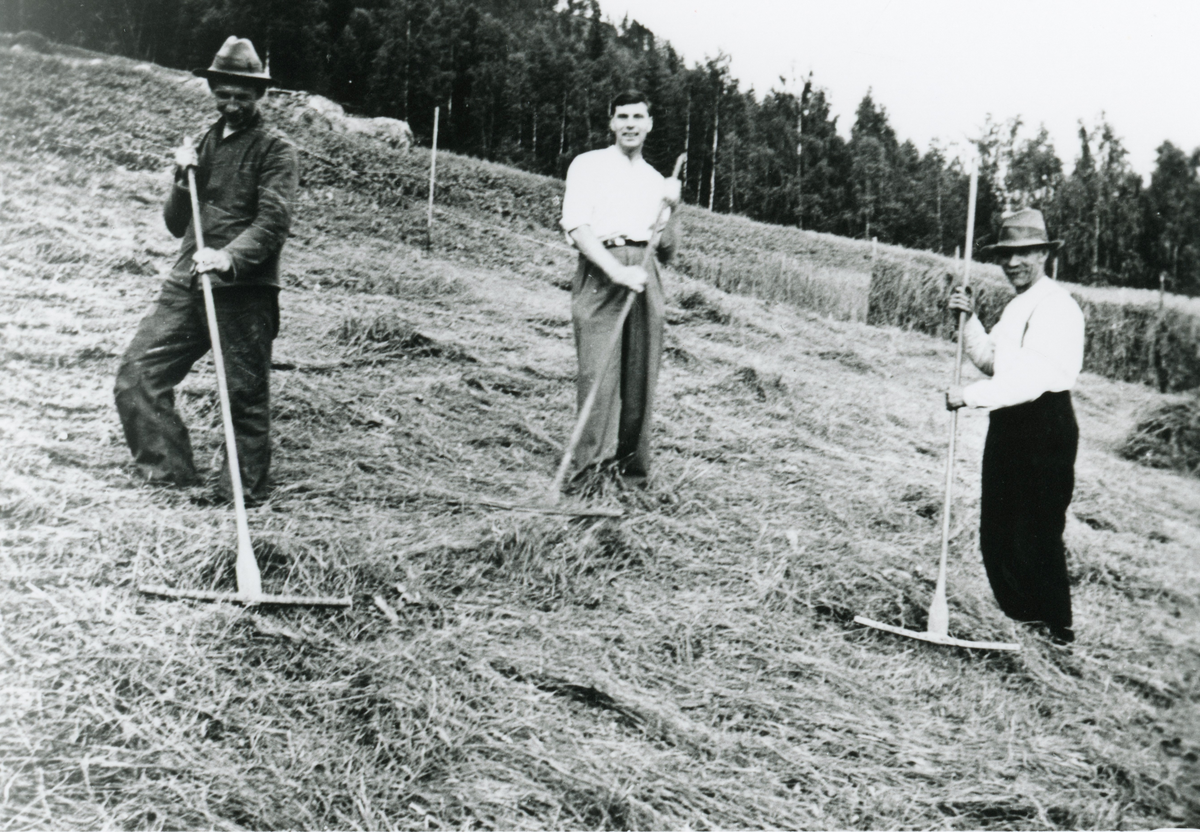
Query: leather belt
{"points": [[618, 242]]}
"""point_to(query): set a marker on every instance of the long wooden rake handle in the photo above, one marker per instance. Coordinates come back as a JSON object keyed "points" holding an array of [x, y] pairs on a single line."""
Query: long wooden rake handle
{"points": [[939, 611], [609, 349], [249, 580]]}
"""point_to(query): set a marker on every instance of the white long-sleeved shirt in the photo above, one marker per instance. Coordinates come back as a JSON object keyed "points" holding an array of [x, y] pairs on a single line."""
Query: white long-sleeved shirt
{"points": [[612, 194], [1036, 347]]}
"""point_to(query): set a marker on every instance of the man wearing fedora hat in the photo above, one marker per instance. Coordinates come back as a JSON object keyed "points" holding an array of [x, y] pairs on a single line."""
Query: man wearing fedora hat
{"points": [[246, 182], [1033, 355]]}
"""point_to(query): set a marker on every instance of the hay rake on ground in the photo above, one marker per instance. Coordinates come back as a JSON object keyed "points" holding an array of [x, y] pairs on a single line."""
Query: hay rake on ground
{"points": [[249, 580], [937, 631]]}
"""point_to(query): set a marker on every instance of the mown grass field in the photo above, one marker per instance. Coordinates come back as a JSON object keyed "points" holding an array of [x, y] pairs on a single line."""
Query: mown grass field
{"points": [[692, 664]]}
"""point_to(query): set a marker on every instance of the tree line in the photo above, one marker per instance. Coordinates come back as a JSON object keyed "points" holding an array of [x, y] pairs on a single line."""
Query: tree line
{"points": [[526, 83]]}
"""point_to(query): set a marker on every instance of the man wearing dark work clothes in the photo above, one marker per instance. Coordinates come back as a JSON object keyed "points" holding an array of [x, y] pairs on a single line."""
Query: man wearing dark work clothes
{"points": [[613, 199], [1034, 355], [246, 181]]}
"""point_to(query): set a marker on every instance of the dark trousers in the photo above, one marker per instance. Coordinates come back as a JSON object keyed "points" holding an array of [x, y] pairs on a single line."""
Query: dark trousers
{"points": [[1028, 480], [618, 429], [169, 340]]}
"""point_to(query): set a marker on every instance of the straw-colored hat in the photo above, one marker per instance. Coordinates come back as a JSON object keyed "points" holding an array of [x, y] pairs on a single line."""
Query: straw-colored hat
{"points": [[1021, 229], [236, 60]]}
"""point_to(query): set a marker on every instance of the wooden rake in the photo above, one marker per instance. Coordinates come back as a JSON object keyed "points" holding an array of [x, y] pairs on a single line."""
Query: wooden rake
{"points": [[249, 580], [937, 630]]}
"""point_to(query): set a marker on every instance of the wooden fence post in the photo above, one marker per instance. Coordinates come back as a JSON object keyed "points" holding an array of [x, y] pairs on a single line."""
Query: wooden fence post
{"points": [[432, 180]]}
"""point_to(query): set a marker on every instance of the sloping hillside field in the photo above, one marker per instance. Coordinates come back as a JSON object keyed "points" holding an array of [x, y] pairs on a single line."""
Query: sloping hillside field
{"points": [[690, 664]]}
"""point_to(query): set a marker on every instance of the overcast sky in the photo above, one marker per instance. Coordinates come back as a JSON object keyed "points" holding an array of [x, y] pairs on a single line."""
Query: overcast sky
{"points": [[940, 66]]}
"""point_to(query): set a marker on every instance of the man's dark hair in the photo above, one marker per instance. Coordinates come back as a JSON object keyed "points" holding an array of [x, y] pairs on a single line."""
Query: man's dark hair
{"points": [[630, 97]]}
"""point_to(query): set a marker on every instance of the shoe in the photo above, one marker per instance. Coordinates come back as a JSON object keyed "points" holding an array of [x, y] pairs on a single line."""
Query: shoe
{"points": [[1057, 635], [1062, 636], [157, 481], [216, 497], [206, 497], [640, 482]]}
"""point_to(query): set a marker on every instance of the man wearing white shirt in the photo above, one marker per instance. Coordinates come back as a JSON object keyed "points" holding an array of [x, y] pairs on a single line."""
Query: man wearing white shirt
{"points": [[1033, 355], [613, 199]]}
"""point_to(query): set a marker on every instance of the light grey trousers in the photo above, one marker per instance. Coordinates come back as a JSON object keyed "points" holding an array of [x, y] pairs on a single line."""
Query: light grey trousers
{"points": [[618, 429]]}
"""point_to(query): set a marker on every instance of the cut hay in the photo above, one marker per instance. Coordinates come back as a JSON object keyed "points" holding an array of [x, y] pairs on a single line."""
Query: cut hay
{"points": [[912, 294], [835, 292], [1142, 343], [1167, 437], [691, 664], [389, 336], [697, 306]]}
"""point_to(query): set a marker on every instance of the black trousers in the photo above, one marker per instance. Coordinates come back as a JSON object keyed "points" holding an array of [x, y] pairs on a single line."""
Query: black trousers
{"points": [[1028, 480], [169, 340]]}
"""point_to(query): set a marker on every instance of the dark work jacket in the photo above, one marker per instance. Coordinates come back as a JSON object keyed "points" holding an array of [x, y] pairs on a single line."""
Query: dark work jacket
{"points": [[246, 184]]}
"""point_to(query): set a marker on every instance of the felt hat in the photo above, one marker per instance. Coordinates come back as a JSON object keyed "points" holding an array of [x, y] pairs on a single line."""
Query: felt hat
{"points": [[1021, 229], [236, 60]]}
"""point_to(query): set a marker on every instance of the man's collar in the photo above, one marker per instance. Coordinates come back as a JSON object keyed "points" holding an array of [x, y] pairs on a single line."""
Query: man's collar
{"points": [[255, 122], [1044, 283], [615, 148], [1039, 286]]}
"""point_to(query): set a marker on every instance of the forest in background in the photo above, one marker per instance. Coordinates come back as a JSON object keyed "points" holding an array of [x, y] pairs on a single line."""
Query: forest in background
{"points": [[526, 83]]}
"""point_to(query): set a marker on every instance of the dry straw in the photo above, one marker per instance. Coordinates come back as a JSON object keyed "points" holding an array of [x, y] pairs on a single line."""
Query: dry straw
{"points": [[1167, 436], [911, 293], [690, 665], [837, 293], [1142, 343]]}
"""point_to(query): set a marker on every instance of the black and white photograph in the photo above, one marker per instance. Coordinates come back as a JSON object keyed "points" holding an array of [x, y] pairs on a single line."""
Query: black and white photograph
{"points": [[599, 415]]}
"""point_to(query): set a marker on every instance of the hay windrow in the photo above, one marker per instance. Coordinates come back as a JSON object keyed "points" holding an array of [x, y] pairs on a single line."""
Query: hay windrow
{"points": [[390, 336], [1144, 344], [838, 293], [1168, 436], [912, 294]]}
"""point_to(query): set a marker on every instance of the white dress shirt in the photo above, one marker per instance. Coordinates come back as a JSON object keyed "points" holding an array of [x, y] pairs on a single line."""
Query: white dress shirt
{"points": [[614, 195], [1036, 347]]}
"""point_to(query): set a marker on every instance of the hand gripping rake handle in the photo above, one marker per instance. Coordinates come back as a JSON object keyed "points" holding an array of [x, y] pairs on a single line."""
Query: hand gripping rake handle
{"points": [[630, 296], [939, 611], [249, 580]]}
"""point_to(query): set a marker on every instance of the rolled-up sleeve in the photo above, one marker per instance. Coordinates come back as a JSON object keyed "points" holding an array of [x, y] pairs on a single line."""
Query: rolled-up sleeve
{"points": [[979, 346], [278, 182]]}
